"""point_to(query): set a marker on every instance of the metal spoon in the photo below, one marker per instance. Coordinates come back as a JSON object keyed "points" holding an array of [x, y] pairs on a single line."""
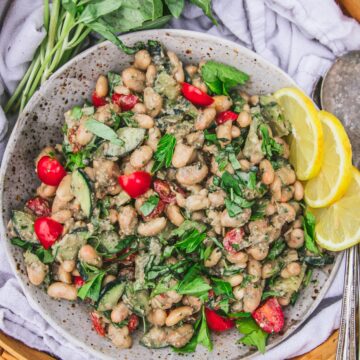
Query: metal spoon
{"points": [[339, 93]]}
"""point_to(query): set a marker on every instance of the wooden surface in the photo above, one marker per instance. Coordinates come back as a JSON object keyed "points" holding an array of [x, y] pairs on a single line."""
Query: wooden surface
{"points": [[351, 7], [11, 349]]}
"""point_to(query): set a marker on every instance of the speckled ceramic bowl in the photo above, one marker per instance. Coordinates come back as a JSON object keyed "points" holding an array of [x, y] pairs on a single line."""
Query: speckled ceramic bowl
{"points": [[40, 124]]}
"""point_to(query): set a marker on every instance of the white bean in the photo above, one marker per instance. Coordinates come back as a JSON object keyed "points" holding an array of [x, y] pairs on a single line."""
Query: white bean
{"points": [[127, 219], [157, 317], [134, 79], [102, 86], [192, 174], [59, 290], [178, 314], [144, 121], [183, 155], [205, 118], [90, 256], [214, 258], [174, 214], [141, 156], [153, 102], [234, 280], [142, 60], [153, 227], [222, 103], [119, 313], [120, 336]]}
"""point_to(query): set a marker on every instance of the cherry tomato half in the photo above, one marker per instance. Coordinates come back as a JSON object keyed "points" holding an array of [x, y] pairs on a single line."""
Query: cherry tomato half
{"points": [[164, 191], [217, 322], [133, 323], [232, 238], [269, 316], [47, 231], [78, 281], [226, 116], [50, 171], [135, 184], [195, 95], [97, 325], [97, 100], [126, 102], [39, 206]]}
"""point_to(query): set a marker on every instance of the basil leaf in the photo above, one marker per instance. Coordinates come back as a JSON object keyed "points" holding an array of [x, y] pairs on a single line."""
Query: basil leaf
{"points": [[186, 226], [277, 248], [203, 337], [193, 283], [270, 293], [114, 80], [254, 335], [149, 205], [221, 78], [309, 232], [164, 152], [240, 315], [324, 259], [205, 6], [222, 287], [103, 131], [269, 146], [44, 255], [126, 242], [91, 289], [21, 243], [190, 241], [175, 7], [76, 112]]}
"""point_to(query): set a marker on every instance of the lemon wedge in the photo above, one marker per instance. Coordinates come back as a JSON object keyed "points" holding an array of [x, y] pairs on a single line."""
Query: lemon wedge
{"points": [[338, 226], [306, 140], [336, 170]]}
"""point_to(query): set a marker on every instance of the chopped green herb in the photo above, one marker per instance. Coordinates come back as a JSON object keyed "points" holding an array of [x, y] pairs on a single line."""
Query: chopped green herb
{"points": [[254, 335], [270, 293], [277, 248], [309, 232], [193, 283], [91, 289], [190, 241], [222, 287], [103, 131], [164, 152], [149, 205], [114, 80], [269, 146], [76, 112]]}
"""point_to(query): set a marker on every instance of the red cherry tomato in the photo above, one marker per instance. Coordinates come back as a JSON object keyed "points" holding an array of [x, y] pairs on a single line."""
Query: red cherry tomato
{"points": [[269, 316], [133, 323], [126, 102], [50, 171], [217, 322], [39, 206], [226, 116], [232, 238], [97, 325], [98, 100], [47, 231], [135, 184], [164, 191], [157, 211], [78, 281], [195, 95]]}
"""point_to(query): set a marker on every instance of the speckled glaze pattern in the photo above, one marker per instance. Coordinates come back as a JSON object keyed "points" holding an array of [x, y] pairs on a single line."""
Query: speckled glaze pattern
{"points": [[40, 125]]}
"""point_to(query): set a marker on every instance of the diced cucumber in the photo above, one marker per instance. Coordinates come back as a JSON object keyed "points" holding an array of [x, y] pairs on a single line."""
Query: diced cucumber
{"points": [[68, 247], [154, 338], [24, 226], [110, 295], [81, 188], [108, 240], [137, 300], [132, 138]]}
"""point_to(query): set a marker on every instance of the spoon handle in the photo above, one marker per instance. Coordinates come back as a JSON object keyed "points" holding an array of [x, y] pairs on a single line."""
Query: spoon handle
{"points": [[347, 344]]}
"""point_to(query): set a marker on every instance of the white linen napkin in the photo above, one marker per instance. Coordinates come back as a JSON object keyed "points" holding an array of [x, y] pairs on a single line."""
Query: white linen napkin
{"points": [[303, 37]]}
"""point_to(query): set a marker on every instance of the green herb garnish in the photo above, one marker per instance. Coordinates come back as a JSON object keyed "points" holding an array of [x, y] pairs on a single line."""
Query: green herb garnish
{"points": [[164, 152]]}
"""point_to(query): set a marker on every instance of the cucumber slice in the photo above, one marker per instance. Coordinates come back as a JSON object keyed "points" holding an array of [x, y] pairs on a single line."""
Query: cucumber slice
{"points": [[81, 188], [68, 247], [108, 240], [110, 295], [24, 226], [132, 138]]}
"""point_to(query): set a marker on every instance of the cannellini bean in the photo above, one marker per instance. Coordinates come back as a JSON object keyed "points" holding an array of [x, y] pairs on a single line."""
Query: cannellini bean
{"points": [[192, 301], [222, 103], [178, 314], [270, 209], [64, 276], [122, 90], [239, 292], [254, 100], [240, 258], [90, 256], [205, 118], [217, 198], [254, 269], [191, 70], [180, 336], [298, 191], [223, 133], [268, 173], [62, 216], [197, 202], [153, 227], [36, 272], [285, 300], [275, 188], [174, 214], [63, 192], [127, 219], [141, 156], [292, 269], [259, 251], [245, 164], [268, 270], [59, 290], [119, 313], [46, 191], [154, 136], [196, 139], [296, 239], [134, 79], [192, 174], [287, 193], [183, 155], [157, 317], [236, 221], [245, 96], [244, 119], [235, 132], [286, 175], [252, 297], [102, 86], [197, 82], [139, 108], [108, 279], [68, 265], [150, 75], [285, 147], [214, 258], [144, 121], [82, 135], [142, 60], [234, 280], [120, 336], [153, 101], [113, 216], [178, 70]]}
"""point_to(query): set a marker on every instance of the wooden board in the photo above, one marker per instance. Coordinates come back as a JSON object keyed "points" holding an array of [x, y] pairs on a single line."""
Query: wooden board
{"points": [[11, 349], [351, 7]]}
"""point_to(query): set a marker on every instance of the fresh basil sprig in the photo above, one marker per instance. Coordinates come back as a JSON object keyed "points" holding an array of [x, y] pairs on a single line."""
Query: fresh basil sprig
{"points": [[164, 152]]}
